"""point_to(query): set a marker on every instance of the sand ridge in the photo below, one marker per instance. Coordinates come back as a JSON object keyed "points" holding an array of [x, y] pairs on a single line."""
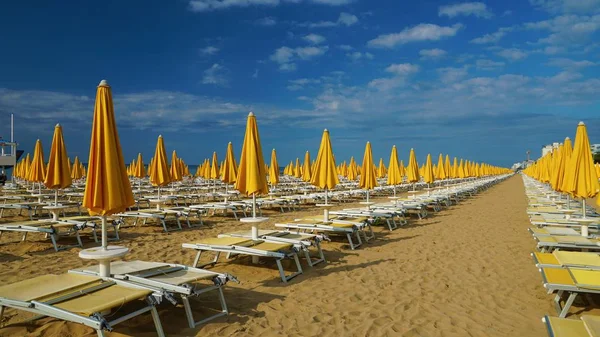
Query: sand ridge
{"points": [[465, 271]]}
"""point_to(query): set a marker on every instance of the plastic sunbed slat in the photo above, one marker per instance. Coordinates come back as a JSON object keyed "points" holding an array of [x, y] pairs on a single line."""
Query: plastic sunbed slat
{"points": [[546, 259], [558, 276], [108, 298], [592, 324], [563, 327], [577, 258], [587, 279], [46, 286]]}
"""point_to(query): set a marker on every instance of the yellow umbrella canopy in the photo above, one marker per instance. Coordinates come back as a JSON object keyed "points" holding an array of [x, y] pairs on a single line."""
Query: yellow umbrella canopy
{"points": [[252, 178], [174, 170], [441, 169], [274, 169], [230, 166], [160, 175], [325, 174], [402, 169], [76, 169], [306, 167], [140, 169], [298, 169], [26, 167], [58, 175], [581, 178], [107, 188], [368, 177], [412, 172], [567, 151], [381, 172], [37, 170], [214, 169], [448, 167], [428, 175], [393, 175]]}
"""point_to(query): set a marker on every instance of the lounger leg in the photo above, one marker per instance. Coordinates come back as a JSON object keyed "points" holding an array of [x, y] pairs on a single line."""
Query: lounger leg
{"points": [[178, 223], [95, 235], [54, 242], [197, 259], [164, 225], [567, 306], [100, 332], [116, 227], [78, 238], [157, 324], [224, 308], [1, 314], [188, 312]]}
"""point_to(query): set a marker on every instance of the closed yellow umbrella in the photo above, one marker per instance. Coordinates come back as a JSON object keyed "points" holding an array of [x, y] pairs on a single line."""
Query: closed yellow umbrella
{"points": [[306, 167], [368, 176], [412, 171], [26, 167], [214, 169], [230, 167], [160, 175], [325, 175], [567, 151], [37, 170], [428, 175], [298, 169], [461, 170], [448, 167], [107, 188], [140, 169], [252, 178], [581, 178], [274, 169], [441, 169], [174, 170], [76, 169], [352, 171], [58, 175], [393, 175], [402, 169], [381, 172]]}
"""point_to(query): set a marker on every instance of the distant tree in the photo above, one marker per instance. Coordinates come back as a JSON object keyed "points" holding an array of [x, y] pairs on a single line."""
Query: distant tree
{"points": [[597, 157]]}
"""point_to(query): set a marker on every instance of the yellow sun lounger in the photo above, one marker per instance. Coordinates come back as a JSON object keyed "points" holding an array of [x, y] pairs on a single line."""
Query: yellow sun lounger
{"points": [[550, 243], [168, 279], [50, 228], [560, 258], [316, 224], [546, 231], [302, 241], [587, 326], [76, 298], [243, 246], [571, 281]]}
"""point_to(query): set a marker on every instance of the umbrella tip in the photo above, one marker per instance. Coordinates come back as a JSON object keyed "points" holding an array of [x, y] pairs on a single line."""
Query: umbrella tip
{"points": [[326, 130], [581, 123], [251, 114], [57, 125], [103, 83]]}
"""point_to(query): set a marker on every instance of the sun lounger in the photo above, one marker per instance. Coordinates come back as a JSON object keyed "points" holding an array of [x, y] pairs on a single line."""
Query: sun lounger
{"points": [[560, 259], [94, 223], [332, 227], [30, 207], [587, 326], [160, 215], [76, 298], [553, 231], [571, 282], [550, 243], [168, 279], [242, 246], [385, 215], [49, 228], [301, 241], [221, 206]]}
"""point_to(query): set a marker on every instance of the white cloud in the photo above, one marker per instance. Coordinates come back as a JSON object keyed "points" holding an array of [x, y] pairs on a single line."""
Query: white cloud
{"points": [[314, 38], [570, 64], [345, 47], [286, 56], [266, 21], [478, 9], [421, 32], [402, 69], [345, 19], [213, 5], [209, 50], [301, 83], [567, 30], [513, 54], [563, 77], [307, 53], [493, 37], [355, 56], [485, 64], [432, 53], [255, 73], [451, 75], [216, 74], [567, 6]]}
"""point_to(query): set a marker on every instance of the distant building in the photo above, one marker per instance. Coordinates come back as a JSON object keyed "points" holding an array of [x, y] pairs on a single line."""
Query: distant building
{"points": [[595, 148], [549, 148]]}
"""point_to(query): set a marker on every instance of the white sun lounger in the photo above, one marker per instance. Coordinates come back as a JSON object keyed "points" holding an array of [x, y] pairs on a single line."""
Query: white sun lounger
{"points": [[76, 298], [571, 282], [161, 215], [242, 246], [552, 242], [333, 227], [302, 241], [49, 228], [168, 279]]}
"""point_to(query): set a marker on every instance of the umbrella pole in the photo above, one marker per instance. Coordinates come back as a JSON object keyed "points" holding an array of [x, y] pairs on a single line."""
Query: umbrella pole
{"points": [[254, 205], [56, 197], [394, 191]]}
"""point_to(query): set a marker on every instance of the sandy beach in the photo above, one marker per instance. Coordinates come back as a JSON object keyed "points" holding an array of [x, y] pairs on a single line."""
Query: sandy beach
{"points": [[465, 271]]}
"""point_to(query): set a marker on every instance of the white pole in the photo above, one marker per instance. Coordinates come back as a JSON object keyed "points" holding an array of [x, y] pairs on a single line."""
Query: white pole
{"points": [[104, 233], [326, 193], [56, 197], [104, 265], [254, 205]]}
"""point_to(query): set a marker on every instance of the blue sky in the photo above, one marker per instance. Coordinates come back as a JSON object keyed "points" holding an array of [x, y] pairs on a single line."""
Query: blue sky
{"points": [[480, 80]]}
